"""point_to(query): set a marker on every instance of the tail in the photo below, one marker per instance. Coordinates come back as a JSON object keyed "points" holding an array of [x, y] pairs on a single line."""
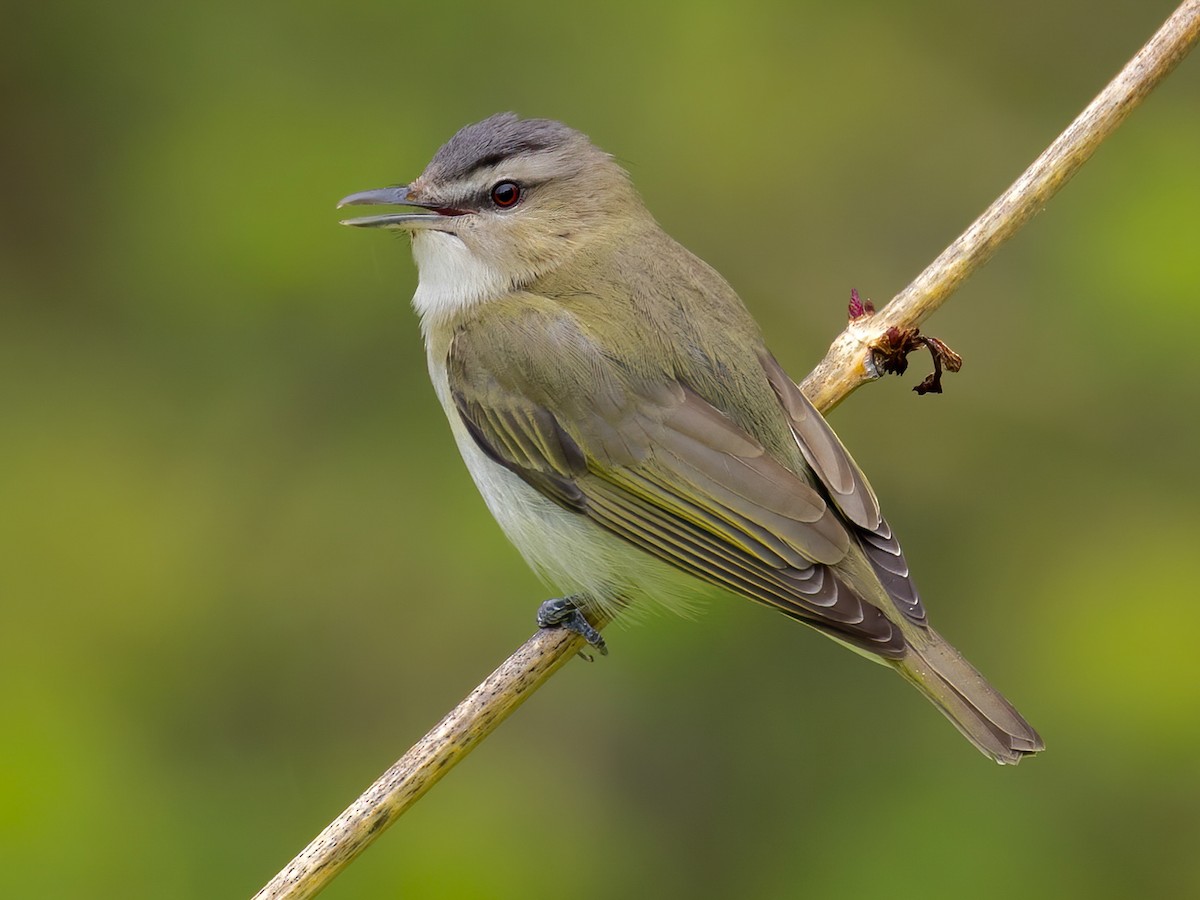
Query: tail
{"points": [[976, 708]]}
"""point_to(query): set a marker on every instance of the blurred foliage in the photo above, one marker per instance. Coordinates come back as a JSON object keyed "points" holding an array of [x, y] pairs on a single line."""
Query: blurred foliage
{"points": [[243, 567]]}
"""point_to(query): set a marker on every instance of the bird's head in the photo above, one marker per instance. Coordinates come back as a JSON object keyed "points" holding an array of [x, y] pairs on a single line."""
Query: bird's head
{"points": [[506, 200]]}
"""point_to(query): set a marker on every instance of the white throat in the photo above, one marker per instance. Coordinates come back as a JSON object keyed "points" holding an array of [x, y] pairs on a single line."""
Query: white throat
{"points": [[450, 278]]}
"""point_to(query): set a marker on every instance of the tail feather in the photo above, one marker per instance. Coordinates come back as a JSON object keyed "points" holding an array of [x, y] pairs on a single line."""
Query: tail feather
{"points": [[976, 708]]}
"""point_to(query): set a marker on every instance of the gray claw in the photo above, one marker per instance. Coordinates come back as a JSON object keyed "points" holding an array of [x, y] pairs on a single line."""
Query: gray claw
{"points": [[561, 612]]}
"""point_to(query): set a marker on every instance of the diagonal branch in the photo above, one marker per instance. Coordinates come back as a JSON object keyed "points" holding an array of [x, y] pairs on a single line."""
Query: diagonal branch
{"points": [[446, 745], [847, 366]]}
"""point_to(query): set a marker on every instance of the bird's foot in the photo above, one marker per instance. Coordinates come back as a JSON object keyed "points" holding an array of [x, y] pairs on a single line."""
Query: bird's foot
{"points": [[562, 612]]}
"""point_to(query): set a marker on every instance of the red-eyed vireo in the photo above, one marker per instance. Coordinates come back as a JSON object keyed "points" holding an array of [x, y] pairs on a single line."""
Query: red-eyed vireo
{"points": [[617, 407]]}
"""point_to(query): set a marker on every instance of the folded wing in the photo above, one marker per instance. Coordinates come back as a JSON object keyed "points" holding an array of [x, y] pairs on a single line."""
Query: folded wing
{"points": [[654, 463]]}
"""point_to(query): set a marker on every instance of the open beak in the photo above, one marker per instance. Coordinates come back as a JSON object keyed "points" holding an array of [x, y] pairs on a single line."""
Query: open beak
{"points": [[435, 219]]}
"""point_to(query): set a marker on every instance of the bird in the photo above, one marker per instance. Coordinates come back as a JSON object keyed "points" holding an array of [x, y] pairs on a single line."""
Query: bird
{"points": [[618, 409]]}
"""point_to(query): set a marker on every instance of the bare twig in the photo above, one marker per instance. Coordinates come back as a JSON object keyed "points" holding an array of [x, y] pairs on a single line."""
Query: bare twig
{"points": [[847, 366], [446, 745]]}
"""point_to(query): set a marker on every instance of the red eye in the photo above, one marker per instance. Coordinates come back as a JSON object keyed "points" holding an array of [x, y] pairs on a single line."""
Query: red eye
{"points": [[506, 194]]}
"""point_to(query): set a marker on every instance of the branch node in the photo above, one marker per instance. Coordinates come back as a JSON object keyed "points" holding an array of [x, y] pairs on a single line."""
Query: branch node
{"points": [[891, 351]]}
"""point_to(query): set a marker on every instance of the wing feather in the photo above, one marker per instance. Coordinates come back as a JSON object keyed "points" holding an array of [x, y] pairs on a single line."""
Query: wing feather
{"points": [[849, 490]]}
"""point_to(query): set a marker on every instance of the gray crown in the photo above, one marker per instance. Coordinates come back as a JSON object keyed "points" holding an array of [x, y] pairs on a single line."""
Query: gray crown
{"points": [[496, 139]]}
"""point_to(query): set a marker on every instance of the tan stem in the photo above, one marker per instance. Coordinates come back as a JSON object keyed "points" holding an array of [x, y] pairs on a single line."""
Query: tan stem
{"points": [[443, 747], [847, 366]]}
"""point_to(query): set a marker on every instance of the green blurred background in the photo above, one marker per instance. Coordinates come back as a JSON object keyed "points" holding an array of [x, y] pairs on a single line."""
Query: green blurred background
{"points": [[243, 567]]}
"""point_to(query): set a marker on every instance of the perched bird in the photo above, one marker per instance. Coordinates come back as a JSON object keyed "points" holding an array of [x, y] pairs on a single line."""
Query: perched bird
{"points": [[631, 433]]}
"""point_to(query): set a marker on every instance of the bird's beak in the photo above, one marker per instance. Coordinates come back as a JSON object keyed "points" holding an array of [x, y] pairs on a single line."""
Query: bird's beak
{"points": [[435, 219]]}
